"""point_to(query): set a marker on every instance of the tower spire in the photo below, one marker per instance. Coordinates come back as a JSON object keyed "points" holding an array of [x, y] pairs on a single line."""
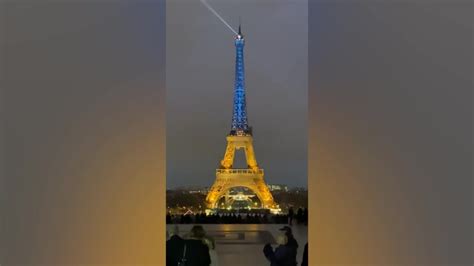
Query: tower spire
{"points": [[239, 117], [240, 32]]}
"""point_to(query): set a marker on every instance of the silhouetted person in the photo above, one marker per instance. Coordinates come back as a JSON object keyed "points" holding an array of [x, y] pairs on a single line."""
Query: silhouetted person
{"points": [[211, 244], [282, 255], [291, 213], [305, 256], [197, 252], [305, 216], [291, 242], [299, 215], [174, 247]]}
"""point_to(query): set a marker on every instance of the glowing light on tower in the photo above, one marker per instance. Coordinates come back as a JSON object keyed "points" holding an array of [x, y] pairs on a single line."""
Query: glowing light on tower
{"points": [[239, 117]]}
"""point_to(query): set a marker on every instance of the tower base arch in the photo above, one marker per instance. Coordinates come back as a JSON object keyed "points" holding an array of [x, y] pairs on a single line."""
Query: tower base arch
{"points": [[227, 179]]}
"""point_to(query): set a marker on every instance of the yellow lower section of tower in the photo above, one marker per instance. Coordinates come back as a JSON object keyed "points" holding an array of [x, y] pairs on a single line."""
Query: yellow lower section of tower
{"points": [[251, 178]]}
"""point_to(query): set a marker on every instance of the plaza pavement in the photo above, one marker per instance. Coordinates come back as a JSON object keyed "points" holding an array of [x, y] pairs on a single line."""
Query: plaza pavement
{"points": [[242, 244]]}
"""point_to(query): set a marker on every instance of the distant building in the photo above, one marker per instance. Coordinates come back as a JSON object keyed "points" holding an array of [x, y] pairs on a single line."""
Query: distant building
{"points": [[198, 190], [278, 187], [298, 190]]}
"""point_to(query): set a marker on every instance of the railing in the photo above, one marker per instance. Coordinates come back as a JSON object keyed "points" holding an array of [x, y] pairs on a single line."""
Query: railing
{"points": [[239, 171]]}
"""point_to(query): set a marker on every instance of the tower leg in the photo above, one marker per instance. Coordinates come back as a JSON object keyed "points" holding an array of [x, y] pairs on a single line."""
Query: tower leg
{"points": [[264, 194], [250, 155], [228, 160]]}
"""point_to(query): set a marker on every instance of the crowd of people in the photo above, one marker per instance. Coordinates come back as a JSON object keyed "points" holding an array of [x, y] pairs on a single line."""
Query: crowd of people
{"points": [[301, 217], [199, 249]]}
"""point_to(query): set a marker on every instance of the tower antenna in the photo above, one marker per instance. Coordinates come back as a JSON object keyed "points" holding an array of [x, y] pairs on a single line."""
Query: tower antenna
{"points": [[240, 23]]}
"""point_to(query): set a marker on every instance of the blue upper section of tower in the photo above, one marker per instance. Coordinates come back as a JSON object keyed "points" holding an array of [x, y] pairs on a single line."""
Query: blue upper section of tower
{"points": [[239, 117]]}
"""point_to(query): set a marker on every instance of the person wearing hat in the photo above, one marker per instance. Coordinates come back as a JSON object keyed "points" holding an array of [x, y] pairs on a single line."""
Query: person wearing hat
{"points": [[292, 244], [282, 255]]}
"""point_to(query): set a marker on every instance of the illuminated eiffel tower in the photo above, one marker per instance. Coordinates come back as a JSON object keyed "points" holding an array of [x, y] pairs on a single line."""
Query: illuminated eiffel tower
{"points": [[240, 137]]}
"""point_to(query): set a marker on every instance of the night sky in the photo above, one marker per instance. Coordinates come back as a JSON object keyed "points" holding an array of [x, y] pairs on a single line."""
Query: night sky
{"points": [[200, 60]]}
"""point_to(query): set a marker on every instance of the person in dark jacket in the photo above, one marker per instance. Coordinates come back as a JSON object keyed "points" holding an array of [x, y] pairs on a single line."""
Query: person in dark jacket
{"points": [[197, 252], [305, 256], [292, 244], [299, 215], [305, 216], [282, 255], [291, 214], [174, 247]]}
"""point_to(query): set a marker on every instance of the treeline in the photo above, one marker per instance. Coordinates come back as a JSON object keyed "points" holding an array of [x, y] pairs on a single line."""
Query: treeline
{"points": [[178, 198], [291, 198]]}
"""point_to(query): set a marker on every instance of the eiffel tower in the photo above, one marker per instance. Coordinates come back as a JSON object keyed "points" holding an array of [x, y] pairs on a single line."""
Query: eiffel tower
{"points": [[240, 137]]}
